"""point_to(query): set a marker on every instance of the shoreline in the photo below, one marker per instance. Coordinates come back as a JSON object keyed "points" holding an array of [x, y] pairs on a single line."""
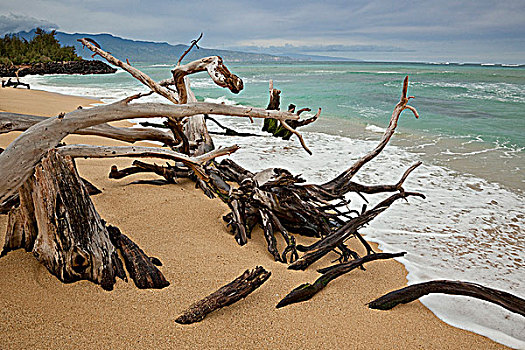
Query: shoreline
{"points": [[178, 224]]}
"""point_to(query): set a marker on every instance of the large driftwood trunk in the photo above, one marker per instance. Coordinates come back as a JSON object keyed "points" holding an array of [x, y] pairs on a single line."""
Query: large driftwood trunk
{"points": [[195, 128], [57, 221], [21, 156]]}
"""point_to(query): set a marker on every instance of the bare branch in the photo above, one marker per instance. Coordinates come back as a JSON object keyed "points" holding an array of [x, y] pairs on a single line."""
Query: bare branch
{"points": [[193, 43], [20, 157], [143, 78], [415, 291], [89, 151], [215, 67], [344, 178], [287, 127], [21, 122]]}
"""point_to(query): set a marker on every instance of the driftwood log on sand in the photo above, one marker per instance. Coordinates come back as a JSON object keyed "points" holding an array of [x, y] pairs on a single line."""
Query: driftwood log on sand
{"points": [[415, 291], [234, 291]]}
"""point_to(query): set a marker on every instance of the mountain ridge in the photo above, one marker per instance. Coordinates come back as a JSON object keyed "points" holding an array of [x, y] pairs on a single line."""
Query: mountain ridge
{"points": [[162, 52]]}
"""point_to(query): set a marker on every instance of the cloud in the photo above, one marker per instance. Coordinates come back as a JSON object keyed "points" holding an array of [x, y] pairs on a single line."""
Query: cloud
{"points": [[289, 48], [14, 23], [404, 28]]}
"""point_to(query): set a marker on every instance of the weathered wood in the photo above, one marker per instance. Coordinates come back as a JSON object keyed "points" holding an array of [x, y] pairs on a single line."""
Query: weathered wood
{"points": [[57, 221], [21, 122], [169, 172], [286, 128], [14, 200], [141, 268], [195, 129], [413, 292], [306, 291], [234, 291], [328, 243], [14, 84], [270, 125], [137, 74], [216, 69], [21, 156], [339, 184]]}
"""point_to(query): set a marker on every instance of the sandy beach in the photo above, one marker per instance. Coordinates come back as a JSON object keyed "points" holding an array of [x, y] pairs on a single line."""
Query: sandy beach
{"points": [[184, 229]]}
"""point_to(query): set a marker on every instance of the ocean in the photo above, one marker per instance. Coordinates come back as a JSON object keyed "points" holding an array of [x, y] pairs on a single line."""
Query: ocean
{"points": [[470, 138]]}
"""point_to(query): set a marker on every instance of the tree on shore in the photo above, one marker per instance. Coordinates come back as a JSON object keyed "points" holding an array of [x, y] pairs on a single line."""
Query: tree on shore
{"points": [[43, 47]]}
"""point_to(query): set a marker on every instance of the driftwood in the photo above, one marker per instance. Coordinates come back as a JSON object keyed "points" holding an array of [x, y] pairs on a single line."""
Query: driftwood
{"points": [[14, 84], [415, 291], [168, 172], [21, 156], [307, 291], [275, 199], [58, 223], [195, 129], [234, 291], [332, 241], [285, 129], [281, 203], [141, 268], [21, 122], [140, 76], [14, 200]]}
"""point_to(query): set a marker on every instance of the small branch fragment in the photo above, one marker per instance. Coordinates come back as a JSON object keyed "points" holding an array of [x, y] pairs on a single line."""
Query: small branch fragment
{"points": [[234, 291], [307, 291], [415, 291], [193, 43]]}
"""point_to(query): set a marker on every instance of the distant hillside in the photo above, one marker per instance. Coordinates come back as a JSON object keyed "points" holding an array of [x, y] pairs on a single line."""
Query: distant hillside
{"points": [[152, 52]]}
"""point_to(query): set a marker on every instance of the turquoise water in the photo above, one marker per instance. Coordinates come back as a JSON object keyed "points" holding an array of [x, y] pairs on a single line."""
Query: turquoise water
{"points": [[470, 137], [472, 117]]}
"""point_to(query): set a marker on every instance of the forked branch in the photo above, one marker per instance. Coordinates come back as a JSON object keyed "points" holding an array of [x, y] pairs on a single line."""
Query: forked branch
{"points": [[343, 179]]}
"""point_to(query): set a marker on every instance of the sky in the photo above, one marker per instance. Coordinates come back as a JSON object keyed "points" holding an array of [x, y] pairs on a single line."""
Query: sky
{"points": [[377, 30]]}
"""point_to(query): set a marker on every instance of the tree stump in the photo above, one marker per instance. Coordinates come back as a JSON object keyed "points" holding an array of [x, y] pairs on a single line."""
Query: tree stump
{"points": [[57, 221]]}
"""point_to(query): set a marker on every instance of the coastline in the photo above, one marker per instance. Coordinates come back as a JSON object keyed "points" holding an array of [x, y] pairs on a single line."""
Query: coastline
{"points": [[178, 224]]}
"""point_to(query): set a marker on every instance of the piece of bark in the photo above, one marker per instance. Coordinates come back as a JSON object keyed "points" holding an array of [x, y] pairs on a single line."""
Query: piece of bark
{"points": [[141, 268], [57, 221], [408, 294], [307, 291], [234, 291]]}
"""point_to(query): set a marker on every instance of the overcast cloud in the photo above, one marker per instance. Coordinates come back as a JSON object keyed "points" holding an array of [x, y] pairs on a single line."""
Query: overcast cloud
{"points": [[446, 30]]}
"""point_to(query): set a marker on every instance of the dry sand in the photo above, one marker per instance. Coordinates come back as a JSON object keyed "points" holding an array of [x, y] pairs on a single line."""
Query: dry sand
{"points": [[183, 228]]}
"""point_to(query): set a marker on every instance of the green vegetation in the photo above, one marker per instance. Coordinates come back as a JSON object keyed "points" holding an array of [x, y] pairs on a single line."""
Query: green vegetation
{"points": [[44, 47]]}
